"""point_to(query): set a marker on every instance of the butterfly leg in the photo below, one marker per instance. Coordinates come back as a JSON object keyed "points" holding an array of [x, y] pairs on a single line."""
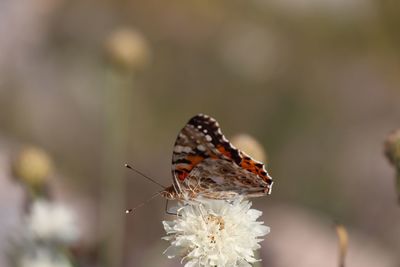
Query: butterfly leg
{"points": [[167, 210]]}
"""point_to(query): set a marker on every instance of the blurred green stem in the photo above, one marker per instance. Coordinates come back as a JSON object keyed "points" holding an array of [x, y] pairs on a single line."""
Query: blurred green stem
{"points": [[118, 98]]}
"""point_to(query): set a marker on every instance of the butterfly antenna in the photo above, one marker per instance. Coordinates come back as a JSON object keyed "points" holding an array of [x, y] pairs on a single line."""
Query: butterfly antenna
{"points": [[127, 211], [144, 175]]}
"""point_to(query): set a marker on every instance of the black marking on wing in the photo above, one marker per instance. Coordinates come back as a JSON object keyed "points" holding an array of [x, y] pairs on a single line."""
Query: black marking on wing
{"points": [[182, 160], [205, 123], [210, 127]]}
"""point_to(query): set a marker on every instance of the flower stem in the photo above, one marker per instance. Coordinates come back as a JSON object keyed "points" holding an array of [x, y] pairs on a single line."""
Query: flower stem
{"points": [[117, 96]]}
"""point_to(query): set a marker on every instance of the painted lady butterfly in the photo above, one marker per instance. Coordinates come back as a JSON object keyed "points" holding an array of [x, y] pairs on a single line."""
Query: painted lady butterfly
{"points": [[205, 163]]}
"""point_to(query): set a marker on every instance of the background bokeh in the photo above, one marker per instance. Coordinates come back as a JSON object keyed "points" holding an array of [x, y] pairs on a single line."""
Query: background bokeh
{"points": [[96, 84]]}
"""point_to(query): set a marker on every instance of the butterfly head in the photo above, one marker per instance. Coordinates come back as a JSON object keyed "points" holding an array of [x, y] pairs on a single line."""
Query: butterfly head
{"points": [[169, 193]]}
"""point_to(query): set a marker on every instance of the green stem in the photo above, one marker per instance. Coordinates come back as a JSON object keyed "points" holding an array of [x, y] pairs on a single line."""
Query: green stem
{"points": [[118, 95]]}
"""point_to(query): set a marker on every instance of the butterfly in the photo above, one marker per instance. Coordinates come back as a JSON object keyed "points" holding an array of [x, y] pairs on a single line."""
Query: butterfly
{"points": [[206, 164]]}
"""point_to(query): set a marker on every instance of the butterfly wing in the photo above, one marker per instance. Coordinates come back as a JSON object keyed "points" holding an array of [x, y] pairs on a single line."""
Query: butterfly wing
{"points": [[205, 162]]}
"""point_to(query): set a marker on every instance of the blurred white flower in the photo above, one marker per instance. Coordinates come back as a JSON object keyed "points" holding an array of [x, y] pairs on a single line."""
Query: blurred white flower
{"points": [[215, 233], [44, 258], [52, 222]]}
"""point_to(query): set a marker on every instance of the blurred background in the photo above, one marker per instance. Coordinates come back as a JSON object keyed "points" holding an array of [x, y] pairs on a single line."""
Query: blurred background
{"points": [[86, 86]]}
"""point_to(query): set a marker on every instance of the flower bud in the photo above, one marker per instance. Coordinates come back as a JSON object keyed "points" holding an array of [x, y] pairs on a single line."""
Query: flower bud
{"points": [[32, 166], [392, 151], [252, 147], [392, 148], [127, 49]]}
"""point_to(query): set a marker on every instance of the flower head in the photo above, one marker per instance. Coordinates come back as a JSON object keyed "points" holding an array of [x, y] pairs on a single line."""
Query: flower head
{"points": [[44, 258], [127, 49], [215, 233], [33, 166], [49, 221], [392, 151]]}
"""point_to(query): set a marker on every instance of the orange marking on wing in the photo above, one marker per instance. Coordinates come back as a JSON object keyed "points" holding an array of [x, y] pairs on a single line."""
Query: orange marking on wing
{"points": [[249, 166], [195, 159], [224, 151], [185, 170]]}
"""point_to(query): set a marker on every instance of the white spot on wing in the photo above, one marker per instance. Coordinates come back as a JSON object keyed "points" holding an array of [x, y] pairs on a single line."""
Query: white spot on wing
{"points": [[201, 148], [180, 149], [187, 149], [208, 138]]}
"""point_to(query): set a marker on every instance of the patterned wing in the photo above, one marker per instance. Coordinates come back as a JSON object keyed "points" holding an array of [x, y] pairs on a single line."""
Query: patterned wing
{"points": [[202, 154]]}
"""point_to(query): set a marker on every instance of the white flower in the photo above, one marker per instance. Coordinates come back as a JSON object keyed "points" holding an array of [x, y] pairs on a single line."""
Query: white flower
{"points": [[215, 233], [52, 222], [43, 258]]}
